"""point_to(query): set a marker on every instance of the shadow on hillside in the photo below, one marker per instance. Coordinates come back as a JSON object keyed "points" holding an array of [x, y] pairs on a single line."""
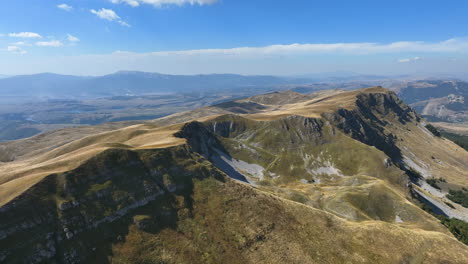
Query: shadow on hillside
{"points": [[135, 191]]}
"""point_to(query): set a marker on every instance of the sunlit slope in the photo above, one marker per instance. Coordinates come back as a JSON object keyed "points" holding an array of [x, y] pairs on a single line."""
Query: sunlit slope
{"points": [[25, 162], [19, 175], [323, 174], [126, 206], [59, 151], [55, 152], [309, 161]]}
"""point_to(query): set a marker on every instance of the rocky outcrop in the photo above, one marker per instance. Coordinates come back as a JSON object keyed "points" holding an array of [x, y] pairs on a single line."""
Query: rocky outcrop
{"points": [[66, 217], [368, 120]]}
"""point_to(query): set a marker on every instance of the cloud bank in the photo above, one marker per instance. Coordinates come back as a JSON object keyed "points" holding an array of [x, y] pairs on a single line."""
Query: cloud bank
{"points": [[161, 3], [451, 45]]}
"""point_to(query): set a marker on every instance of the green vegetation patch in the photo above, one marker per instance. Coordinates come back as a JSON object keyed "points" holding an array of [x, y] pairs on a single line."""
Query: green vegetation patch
{"points": [[433, 130], [460, 140], [449, 205], [459, 197], [433, 182], [457, 227], [414, 174]]}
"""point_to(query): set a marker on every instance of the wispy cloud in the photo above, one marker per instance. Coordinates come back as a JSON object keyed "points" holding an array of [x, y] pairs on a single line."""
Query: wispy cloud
{"points": [[65, 7], [24, 35], [52, 43], [20, 43], [72, 38], [133, 3], [451, 45], [160, 3], [289, 59], [16, 49], [410, 60], [109, 15]]}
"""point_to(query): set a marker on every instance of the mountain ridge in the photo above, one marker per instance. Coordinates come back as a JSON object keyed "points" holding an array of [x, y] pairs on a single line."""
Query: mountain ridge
{"points": [[333, 162]]}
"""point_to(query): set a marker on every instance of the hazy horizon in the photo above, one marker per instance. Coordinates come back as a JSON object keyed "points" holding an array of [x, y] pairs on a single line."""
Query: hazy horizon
{"points": [[309, 75]]}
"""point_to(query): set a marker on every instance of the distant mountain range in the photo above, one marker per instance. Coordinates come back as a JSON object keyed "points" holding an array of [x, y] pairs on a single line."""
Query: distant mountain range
{"points": [[437, 100], [129, 83], [50, 85]]}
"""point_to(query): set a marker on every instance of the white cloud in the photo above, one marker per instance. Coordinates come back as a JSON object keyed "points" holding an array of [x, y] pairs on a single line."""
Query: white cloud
{"points": [[123, 23], [25, 35], [110, 15], [106, 14], [410, 60], [451, 45], [16, 49], [290, 59], [65, 7], [72, 38], [20, 43], [133, 3], [52, 43], [160, 3]]}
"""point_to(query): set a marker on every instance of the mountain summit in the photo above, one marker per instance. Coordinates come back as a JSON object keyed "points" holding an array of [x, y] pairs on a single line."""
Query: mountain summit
{"points": [[329, 177]]}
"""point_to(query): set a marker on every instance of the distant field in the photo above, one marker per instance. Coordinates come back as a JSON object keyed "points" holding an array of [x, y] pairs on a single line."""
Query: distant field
{"points": [[457, 128], [20, 119]]}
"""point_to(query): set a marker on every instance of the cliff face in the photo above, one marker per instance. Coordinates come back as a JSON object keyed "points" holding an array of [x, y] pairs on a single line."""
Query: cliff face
{"points": [[367, 123], [314, 162], [74, 216], [310, 188]]}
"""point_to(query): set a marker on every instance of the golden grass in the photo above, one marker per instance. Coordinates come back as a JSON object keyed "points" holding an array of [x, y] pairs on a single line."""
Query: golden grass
{"points": [[301, 231], [289, 232], [18, 176], [314, 108], [458, 128], [441, 157], [70, 150]]}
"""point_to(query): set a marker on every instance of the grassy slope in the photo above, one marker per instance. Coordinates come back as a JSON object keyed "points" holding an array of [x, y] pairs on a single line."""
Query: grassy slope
{"points": [[461, 140], [234, 223], [209, 218], [18, 176], [292, 151], [219, 219]]}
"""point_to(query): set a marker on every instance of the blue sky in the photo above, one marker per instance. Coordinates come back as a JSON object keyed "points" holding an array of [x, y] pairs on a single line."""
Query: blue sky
{"points": [[93, 37]]}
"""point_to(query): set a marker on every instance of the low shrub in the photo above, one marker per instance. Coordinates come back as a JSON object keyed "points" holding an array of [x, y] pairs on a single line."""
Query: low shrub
{"points": [[433, 130], [459, 197]]}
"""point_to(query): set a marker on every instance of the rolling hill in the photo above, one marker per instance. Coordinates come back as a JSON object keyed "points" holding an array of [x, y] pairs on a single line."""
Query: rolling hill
{"points": [[329, 177], [438, 100], [33, 104]]}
